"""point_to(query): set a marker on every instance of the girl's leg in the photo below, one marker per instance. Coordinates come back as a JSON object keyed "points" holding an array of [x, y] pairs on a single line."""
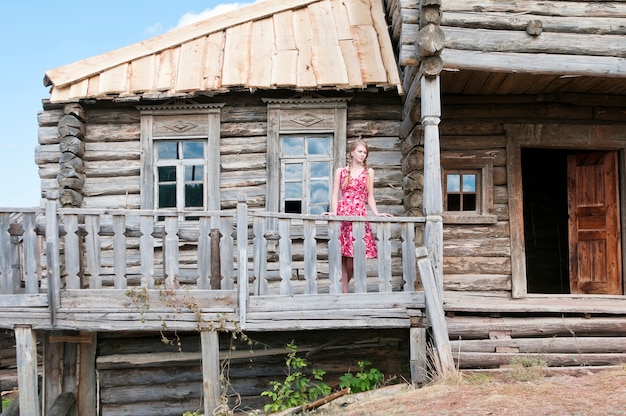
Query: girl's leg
{"points": [[347, 269]]}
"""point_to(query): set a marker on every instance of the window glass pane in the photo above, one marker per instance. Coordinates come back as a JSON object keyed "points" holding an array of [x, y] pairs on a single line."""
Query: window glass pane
{"points": [[319, 192], [167, 173], [318, 146], [293, 146], [166, 150], [320, 170], [293, 207], [293, 190], [193, 150], [293, 171], [318, 209], [469, 183], [194, 173], [469, 202], [193, 195], [454, 183], [454, 202], [167, 196]]}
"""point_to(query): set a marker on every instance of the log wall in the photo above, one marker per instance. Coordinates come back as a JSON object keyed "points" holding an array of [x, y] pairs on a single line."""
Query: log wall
{"points": [[478, 256], [144, 376], [111, 155]]}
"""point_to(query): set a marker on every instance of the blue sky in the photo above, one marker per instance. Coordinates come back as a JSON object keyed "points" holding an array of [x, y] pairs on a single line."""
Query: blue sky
{"points": [[38, 35]]}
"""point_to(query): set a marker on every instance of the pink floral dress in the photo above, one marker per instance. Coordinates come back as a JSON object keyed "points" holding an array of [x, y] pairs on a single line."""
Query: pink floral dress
{"points": [[353, 203]]}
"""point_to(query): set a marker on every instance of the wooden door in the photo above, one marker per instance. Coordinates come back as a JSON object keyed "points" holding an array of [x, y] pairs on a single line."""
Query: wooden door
{"points": [[594, 223]]}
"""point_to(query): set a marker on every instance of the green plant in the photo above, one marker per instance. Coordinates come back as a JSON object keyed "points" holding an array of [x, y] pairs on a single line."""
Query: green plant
{"points": [[297, 389], [362, 380]]}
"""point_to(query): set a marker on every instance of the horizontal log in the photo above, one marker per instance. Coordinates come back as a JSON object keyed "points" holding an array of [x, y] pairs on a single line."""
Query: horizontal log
{"points": [[556, 24], [522, 111], [104, 151], [545, 345], [112, 132], [526, 63], [538, 7], [477, 282], [477, 265], [492, 247], [471, 142], [478, 359], [468, 327], [498, 230]]}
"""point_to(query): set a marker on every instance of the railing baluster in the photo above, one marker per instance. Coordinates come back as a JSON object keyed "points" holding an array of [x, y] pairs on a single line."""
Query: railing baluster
{"points": [[310, 257], [6, 273], [72, 250], [31, 253], [242, 258], [119, 251], [52, 257], [334, 256], [408, 256], [92, 248], [284, 256], [204, 253], [146, 249], [226, 253], [360, 269], [384, 257], [260, 256], [170, 251]]}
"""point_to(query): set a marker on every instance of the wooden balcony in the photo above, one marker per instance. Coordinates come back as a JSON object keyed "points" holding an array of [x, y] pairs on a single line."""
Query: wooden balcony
{"points": [[112, 270]]}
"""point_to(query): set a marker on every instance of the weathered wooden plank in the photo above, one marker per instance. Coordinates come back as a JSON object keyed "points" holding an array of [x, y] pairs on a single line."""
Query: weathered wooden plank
{"points": [[477, 359], [26, 346], [303, 37], [328, 61], [550, 345], [211, 386], [477, 282], [237, 60], [72, 252]]}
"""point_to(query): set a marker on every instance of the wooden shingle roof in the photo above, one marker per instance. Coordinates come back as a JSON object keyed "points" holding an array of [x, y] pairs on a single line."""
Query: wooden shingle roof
{"points": [[297, 44]]}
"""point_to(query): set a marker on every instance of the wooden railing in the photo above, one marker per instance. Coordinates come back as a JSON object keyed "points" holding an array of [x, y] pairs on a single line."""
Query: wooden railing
{"points": [[273, 253]]}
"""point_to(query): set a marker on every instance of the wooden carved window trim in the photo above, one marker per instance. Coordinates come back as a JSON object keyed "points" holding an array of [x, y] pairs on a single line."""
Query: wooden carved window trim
{"points": [[179, 123], [304, 114], [482, 170]]}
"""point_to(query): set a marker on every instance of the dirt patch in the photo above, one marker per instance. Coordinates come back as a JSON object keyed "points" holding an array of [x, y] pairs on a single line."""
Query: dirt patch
{"points": [[582, 395]]}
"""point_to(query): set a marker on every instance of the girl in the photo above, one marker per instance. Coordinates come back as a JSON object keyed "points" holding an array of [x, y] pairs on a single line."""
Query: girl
{"points": [[356, 182]]}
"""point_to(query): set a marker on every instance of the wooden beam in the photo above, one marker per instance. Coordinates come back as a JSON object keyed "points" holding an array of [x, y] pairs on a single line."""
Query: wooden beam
{"points": [[87, 384], [417, 342], [211, 388], [535, 63], [26, 348]]}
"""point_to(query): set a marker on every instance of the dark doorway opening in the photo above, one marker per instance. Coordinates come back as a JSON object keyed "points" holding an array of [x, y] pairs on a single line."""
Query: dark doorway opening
{"points": [[544, 182]]}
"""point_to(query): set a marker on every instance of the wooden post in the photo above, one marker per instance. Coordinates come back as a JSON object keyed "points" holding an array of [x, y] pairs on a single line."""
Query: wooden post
{"points": [[417, 342], [53, 353], [87, 377], [433, 198], [53, 260], [6, 274], [26, 348], [242, 259], [211, 388]]}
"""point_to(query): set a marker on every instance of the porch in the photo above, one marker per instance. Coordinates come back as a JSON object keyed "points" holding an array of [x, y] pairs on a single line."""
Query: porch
{"points": [[81, 272]]}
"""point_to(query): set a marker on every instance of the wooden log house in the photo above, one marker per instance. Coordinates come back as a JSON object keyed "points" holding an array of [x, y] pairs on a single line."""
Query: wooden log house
{"points": [[176, 169]]}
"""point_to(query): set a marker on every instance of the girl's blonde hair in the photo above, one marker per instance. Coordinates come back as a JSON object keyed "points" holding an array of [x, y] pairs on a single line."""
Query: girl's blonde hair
{"points": [[353, 145]]}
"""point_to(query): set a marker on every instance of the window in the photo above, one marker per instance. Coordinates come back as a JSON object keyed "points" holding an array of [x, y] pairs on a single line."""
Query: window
{"points": [[180, 174], [306, 164], [306, 142], [468, 191], [461, 191], [180, 152]]}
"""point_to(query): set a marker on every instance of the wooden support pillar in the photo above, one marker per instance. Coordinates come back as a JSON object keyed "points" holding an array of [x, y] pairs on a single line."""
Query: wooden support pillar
{"points": [[26, 348], [419, 365], [211, 387], [87, 402], [53, 353], [433, 197]]}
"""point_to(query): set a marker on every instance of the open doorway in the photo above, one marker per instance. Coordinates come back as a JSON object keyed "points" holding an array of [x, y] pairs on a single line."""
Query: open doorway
{"points": [[544, 181], [571, 221]]}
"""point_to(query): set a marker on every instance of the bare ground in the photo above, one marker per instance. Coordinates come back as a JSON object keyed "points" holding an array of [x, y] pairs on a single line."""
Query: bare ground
{"points": [[588, 394]]}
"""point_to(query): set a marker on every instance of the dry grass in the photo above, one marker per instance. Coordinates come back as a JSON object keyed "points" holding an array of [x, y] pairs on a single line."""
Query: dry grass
{"points": [[586, 395]]}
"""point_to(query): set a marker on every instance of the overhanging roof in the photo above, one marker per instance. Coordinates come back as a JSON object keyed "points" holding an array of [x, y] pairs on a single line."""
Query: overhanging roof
{"points": [[297, 44]]}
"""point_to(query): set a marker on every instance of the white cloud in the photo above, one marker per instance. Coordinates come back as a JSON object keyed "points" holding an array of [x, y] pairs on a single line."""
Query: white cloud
{"points": [[189, 18], [153, 30]]}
